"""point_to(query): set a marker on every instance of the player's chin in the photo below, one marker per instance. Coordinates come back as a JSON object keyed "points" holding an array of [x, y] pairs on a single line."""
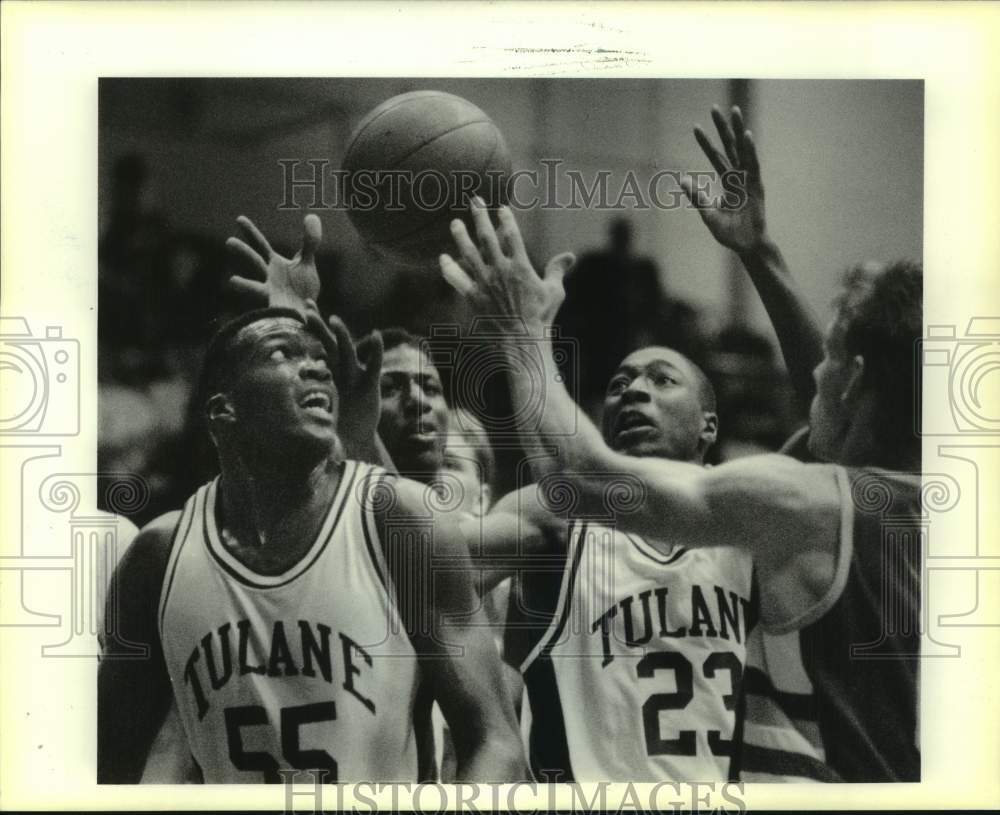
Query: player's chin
{"points": [[312, 439], [643, 441]]}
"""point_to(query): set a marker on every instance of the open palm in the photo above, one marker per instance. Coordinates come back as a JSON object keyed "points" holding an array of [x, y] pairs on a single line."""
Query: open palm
{"points": [[737, 223], [277, 280]]}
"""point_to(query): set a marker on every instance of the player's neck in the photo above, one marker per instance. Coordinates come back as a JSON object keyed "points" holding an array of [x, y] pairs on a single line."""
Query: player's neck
{"points": [[259, 503], [866, 444]]}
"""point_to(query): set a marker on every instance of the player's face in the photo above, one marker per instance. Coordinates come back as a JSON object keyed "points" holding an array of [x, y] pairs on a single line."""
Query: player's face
{"points": [[414, 419], [652, 407], [284, 396], [829, 417]]}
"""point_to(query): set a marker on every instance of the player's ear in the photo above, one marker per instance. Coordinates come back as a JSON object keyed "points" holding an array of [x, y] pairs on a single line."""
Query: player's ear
{"points": [[709, 428], [855, 380], [219, 409]]}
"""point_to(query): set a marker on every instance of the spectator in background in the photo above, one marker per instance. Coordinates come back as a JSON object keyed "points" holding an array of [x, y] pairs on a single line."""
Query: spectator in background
{"points": [[614, 304]]}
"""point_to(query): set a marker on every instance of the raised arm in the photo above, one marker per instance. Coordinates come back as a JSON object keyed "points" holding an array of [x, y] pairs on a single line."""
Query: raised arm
{"points": [[772, 506], [451, 634], [738, 222], [133, 690]]}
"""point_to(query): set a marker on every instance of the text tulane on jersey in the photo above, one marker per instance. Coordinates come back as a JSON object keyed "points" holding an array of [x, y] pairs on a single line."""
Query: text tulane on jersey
{"points": [[727, 615], [304, 649]]}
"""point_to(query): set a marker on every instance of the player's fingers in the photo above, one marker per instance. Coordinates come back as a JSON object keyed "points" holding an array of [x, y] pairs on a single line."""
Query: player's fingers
{"points": [[456, 276], [558, 267], [713, 155], [315, 323], [509, 233], [250, 288], [374, 348], [726, 135], [695, 196], [312, 235], [485, 232], [739, 130], [347, 357], [254, 261], [750, 161], [506, 240], [467, 250], [254, 236]]}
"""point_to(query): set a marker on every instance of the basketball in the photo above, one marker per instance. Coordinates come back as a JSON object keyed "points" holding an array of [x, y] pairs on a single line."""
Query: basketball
{"points": [[412, 164]]}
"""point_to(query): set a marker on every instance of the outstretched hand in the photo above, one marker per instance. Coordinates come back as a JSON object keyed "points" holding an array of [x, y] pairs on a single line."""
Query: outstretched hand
{"points": [[742, 227], [356, 376], [277, 280], [497, 277]]}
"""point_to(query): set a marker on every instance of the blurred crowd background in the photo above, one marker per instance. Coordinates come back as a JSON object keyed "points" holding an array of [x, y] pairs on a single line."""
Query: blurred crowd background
{"points": [[179, 159]]}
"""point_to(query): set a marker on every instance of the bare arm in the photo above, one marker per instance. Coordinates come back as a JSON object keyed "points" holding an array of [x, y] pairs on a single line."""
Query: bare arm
{"points": [[133, 692], [772, 506], [518, 531], [451, 634], [738, 223]]}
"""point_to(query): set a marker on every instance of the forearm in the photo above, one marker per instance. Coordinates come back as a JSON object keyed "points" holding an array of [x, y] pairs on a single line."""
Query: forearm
{"points": [[470, 691], [560, 434], [795, 323], [493, 760]]}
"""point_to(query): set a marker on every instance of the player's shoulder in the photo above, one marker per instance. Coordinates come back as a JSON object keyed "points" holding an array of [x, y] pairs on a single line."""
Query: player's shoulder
{"points": [[877, 491], [401, 500], [150, 550]]}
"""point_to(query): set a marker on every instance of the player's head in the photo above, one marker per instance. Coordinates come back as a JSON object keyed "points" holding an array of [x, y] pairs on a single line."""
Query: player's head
{"points": [[413, 424], [864, 410], [659, 403], [468, 457], [266, 390]]}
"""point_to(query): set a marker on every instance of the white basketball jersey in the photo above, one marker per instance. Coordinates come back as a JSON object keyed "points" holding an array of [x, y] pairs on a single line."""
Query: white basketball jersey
{"points": [[639, 675], [309, 669]]}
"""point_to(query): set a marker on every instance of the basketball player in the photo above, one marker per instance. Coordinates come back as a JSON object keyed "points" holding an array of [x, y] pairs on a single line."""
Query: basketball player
{"points": [[815, 530], [800, 726], [413, 418], [282, 606], [632, 653], [605, 618]]}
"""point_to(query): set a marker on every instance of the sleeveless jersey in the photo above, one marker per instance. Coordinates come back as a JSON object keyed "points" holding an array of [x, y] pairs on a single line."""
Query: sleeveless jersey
{"points": [[308, 669], [832, 696], [639, 674]]}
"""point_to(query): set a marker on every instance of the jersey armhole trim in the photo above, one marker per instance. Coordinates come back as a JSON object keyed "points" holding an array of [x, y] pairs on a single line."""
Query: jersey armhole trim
{"points": [[575, 535], [842, 565], [373, 541], [176, 544]]}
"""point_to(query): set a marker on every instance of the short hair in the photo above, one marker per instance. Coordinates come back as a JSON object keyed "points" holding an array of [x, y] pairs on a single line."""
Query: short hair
{"points": [[395, 336], [881, 311], [703, 385], [217, 369]]}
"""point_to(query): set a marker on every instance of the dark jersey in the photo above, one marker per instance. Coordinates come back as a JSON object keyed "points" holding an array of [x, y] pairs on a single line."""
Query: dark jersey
{"points": [[835, 697]]}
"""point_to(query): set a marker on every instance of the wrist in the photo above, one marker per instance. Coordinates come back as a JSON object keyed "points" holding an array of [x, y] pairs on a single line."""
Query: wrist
{"points": [[763, 255], [760, 248]]}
